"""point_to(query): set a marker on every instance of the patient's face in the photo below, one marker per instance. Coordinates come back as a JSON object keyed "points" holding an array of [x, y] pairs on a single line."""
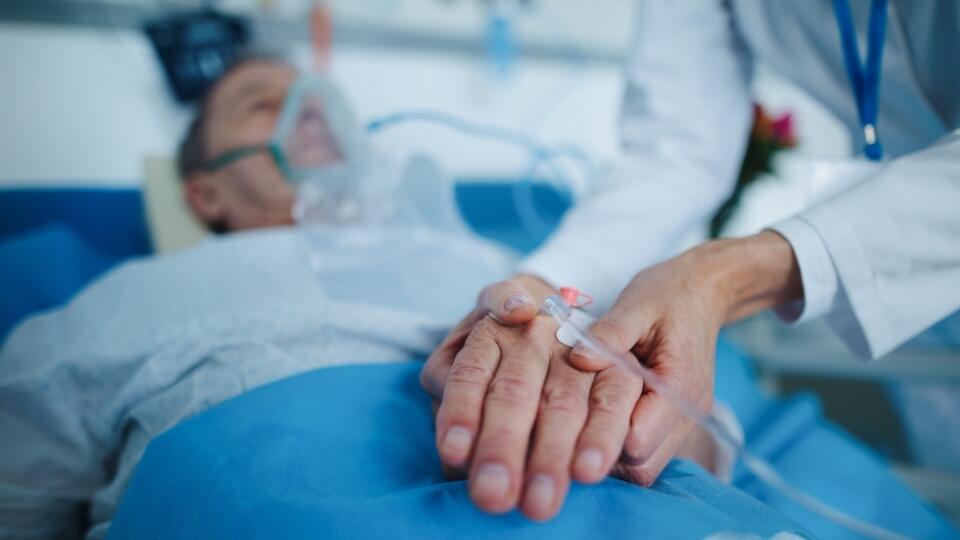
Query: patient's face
{"points": [[243, 111]]}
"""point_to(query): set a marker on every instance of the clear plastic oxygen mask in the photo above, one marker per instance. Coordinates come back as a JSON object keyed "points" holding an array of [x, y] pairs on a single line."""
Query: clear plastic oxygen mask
{"points": [[320, 149], [560, 307]]}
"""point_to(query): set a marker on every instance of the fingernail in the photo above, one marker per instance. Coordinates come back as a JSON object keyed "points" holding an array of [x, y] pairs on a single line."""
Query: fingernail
{"points": [[590, 462], [540, 493], [515, 302], [492, 481], [456, 443]]}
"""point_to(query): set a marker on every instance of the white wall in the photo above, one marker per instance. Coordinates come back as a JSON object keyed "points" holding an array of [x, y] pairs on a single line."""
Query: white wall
{"points": [[86, 105], [79, 105]]}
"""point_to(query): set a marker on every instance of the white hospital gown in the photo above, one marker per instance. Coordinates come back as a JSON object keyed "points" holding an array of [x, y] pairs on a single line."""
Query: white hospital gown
{"points": [[85, 388]]}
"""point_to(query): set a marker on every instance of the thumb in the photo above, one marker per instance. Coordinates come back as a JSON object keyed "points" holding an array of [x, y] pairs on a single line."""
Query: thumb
{"points": [[508, 302], [614, 335]]}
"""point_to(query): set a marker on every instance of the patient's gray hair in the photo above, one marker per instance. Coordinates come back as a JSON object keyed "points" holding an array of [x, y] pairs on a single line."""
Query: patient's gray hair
{"points": [[192, 152]]}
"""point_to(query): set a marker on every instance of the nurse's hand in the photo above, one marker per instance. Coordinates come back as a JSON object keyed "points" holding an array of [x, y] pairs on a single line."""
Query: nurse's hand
{"points": [[514, 411], [669, 316]]}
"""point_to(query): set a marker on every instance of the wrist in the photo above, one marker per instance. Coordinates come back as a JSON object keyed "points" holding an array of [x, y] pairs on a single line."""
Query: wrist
{"points": [[750, 274]]}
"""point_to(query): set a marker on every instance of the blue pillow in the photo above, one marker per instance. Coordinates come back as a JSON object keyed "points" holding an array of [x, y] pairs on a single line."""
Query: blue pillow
{"points": [[110, 219], [492, 208], [43, 269]]}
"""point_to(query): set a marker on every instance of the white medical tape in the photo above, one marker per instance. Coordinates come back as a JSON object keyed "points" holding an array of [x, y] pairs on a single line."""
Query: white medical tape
{"points": [[579, 317]]}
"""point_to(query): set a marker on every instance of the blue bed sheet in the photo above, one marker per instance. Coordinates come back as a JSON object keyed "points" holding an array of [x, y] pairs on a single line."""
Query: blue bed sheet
{"points": [[349, 452]]}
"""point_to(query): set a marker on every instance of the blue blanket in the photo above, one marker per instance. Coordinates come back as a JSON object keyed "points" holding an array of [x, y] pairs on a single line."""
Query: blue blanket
{"points": [[819, 457], [348, 452]]}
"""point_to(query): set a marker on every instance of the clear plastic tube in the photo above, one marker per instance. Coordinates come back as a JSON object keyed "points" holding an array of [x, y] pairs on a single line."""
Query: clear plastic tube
{"points": [[560, 310], [540, 155]]}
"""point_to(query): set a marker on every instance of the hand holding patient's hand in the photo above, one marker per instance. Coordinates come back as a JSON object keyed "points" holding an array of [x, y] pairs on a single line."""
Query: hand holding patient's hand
{"points": [[518, 414], [669, 317]]}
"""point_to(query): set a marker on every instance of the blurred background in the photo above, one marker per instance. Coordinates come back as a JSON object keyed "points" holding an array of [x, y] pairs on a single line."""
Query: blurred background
{"points": [[82, 76], [86, 101]]}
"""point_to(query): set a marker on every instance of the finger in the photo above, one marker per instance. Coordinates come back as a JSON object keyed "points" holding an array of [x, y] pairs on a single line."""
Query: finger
{"points": [[434, 374], [508, 302], [612, 400], [458, 418], [658, 430], [509, 412], [658, 413], [562, 414], [646, 473], [617, 332], [449, 472], [653, 420]]}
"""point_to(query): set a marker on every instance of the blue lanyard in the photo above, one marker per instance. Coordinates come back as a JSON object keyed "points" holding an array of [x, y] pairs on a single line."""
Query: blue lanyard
{"points": [[864, 78]]}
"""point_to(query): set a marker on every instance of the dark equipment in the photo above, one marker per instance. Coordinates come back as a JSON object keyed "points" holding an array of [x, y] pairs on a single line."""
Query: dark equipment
{"points": [[195, 48]]}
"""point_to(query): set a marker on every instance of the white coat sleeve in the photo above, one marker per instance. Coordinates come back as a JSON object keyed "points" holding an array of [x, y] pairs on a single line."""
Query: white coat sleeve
{"points": [[894, 243], [684, 125]]}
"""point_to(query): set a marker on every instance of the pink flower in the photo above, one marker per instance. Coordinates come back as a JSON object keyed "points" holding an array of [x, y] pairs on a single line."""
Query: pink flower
{"points": [[783, 129]]}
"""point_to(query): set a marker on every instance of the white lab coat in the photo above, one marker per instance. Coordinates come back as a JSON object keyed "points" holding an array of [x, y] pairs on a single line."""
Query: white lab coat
{"points": [[881, 260]]}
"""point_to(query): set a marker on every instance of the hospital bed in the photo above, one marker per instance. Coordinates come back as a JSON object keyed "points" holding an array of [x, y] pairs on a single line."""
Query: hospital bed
{"points": [[37, 223]]}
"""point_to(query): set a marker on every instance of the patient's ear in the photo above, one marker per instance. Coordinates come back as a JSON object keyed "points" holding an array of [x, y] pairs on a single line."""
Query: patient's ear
{"points": [[205, 198]]}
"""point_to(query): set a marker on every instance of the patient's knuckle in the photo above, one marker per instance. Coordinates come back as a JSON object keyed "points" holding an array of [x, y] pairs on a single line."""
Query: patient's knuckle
{"points": [[477, 353], [466, 373], [487, 329], [563, 398], [481, 337], [512, 389], [607, 402]]}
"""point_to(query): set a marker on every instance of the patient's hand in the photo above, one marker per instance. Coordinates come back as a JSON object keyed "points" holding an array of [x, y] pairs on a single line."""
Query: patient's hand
{"points": [[516, 413]]}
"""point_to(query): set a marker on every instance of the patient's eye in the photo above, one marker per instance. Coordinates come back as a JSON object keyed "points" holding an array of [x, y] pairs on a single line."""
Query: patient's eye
{"points": [[264, 105]]}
